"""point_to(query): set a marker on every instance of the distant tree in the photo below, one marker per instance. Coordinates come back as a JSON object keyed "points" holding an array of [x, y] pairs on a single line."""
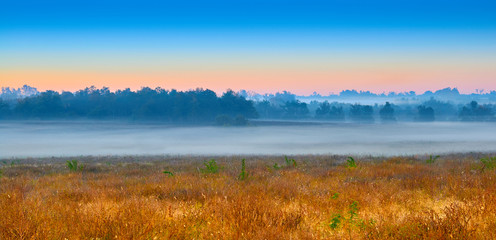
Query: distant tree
{"points": [[282, 98], [323, 110], [387, 113], [267, 110], [443, 110], [4, 109], [336, 114], [233, 104], [361, 113], [295, 110], [475, 112], [425, 114], [326, 111], [43, 106]]}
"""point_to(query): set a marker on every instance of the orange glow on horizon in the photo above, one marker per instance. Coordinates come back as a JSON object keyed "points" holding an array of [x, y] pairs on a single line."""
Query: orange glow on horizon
{"points": [[296, 81]]}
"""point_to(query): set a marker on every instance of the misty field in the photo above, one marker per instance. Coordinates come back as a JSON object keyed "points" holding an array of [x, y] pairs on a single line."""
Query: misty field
{"points": [[265, 197]]}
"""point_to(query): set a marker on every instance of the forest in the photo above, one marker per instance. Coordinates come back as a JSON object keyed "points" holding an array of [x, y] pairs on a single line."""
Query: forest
{"points": [[204, 106]]}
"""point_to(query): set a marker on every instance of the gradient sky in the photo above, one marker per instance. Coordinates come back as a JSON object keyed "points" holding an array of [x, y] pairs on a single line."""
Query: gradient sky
{"points": [[265, 46]]}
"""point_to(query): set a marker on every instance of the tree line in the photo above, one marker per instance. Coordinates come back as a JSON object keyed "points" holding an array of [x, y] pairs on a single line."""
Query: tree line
{"points": [[432, 110], [231, 108], [194, 106]]}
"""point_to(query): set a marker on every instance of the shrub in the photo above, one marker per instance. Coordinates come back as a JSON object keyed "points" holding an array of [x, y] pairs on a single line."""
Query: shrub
{"points": [[210, 167], [432, 159], [351, 163], [290, 162], [243, 175], [350, 220], [168, 173], [73, 166], [488, 163]]}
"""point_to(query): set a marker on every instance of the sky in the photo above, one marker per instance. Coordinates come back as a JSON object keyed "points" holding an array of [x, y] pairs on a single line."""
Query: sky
{"points": [[264, 46]]}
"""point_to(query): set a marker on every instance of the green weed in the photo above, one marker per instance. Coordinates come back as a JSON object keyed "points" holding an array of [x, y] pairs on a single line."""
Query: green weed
{"points": [[168, 173], [432, 159], [73, 166], [210, 167], [349, 221], [488, 163], [335, 195], [243, 175], [290, 162], [351, 163]]}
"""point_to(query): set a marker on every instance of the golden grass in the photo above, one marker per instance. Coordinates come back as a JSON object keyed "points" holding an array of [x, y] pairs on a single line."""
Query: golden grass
{"points": [[398, 198]]}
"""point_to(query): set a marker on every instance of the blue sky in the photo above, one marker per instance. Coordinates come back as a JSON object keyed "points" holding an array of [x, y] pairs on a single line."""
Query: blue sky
{"points": [[332, 14], [327, 39]]}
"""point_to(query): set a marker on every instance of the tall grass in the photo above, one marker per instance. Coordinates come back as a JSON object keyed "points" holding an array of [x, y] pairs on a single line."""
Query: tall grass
{"points": [[393, 198]]}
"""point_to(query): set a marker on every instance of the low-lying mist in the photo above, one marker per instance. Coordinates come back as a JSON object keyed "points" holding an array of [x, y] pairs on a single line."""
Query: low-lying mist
{"points": [[45, 139]]}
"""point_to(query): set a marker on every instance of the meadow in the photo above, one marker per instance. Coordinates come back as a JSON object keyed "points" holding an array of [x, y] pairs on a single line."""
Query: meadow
{"points": [[263, 197]]}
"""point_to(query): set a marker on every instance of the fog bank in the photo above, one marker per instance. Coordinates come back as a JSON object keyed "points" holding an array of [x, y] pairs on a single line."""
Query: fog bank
{"points": [[45, 139]]}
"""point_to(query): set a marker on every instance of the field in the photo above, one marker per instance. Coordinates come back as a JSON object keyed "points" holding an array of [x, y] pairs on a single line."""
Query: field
{"points": [[299, 197]]}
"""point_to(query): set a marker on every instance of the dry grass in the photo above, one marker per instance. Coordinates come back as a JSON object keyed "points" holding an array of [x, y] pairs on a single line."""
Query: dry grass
{"points": [[130, 198]]}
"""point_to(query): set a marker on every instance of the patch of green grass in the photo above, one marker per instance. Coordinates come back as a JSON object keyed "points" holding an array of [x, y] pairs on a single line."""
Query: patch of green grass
{"points": [[243, 175], [351, 163], [73, 166], [290, 162], [168, 173], [351, 220], [432, 159], [488, 163], [210, 167], [335, 195]]}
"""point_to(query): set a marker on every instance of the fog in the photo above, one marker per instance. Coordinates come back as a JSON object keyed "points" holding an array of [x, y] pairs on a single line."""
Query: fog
{"points": [[45, 139]]}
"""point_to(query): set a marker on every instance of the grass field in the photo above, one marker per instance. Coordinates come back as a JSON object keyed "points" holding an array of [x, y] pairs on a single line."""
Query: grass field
{"points": [[312, 197]]}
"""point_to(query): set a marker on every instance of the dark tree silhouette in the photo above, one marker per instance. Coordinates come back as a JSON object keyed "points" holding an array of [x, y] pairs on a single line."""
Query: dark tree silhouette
{"points": [[4, 109], [387, 113], [323, 110], [361, 113], [328, 112], [475, 112], [295, 110], [425, 114]]}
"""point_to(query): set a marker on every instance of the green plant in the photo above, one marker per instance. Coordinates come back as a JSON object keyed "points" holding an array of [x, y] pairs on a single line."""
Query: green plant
{"points": [[168, 173], [349, 221], [432, 159], [488, 163], [73, 166], [210, 166], [351, 163], [276, 166], [290, 162], [335, 195], [335, 221], [243, 175]]}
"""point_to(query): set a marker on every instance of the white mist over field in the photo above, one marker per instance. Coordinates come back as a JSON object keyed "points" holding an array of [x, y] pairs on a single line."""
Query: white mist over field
{"points": [[45, 139]]}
